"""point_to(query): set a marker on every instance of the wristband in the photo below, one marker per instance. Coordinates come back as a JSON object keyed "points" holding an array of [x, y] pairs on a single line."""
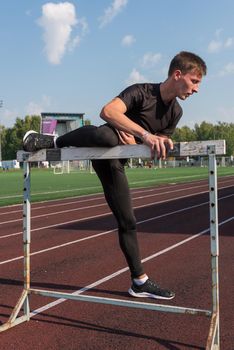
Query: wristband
{"points": [[145, 134]]}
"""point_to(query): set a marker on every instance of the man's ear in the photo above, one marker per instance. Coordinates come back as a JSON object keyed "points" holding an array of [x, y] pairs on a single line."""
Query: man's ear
{"points": [[177, 74]]}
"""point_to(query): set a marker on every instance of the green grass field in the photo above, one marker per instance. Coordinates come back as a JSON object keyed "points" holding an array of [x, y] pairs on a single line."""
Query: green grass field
{"points": [[45, 185]]}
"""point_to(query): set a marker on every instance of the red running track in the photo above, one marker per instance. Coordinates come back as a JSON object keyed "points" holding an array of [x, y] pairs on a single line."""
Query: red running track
{"points": [[75, 245]]}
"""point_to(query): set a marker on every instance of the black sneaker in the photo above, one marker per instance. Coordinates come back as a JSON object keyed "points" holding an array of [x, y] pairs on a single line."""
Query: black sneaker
{"points": [[33, 141], [150, 290]]}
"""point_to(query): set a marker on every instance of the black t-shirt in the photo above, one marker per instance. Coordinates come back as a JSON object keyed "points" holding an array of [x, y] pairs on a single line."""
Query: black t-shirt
{"points": [[146, 108]]}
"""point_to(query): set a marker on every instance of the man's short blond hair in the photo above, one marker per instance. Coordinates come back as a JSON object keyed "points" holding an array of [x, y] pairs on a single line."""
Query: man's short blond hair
{"points": [[186, 62]]}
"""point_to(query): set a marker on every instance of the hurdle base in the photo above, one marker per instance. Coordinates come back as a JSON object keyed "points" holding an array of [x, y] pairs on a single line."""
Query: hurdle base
{"points": [[213, 336], [76, 296], [13, 319]]}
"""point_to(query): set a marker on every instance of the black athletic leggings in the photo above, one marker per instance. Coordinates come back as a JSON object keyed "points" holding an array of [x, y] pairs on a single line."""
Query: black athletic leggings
{"points": [[115, 185]]}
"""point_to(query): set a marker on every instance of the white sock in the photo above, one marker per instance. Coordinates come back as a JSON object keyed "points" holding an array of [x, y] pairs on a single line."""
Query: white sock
{"points": [[140, 281]]}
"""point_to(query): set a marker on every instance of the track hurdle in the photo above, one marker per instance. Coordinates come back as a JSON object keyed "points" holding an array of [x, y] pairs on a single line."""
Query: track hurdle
{"points": [[21, 311]]}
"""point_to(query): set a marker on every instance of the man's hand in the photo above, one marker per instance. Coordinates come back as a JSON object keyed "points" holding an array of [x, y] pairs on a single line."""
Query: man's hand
{"points": [[158, 144], [126, 138]]}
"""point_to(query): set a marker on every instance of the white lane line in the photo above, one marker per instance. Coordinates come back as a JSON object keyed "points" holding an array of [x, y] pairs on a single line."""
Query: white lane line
{"points": [[109, 213], [93, 217], [55, 213], [94, 206], [98, 205], [95, 199], [52, 192], [103, 204], [103, 233], [92, 187], [74, 201], [85, 198], [57, 225], [71, 199], [119, 272], [202, 177]]}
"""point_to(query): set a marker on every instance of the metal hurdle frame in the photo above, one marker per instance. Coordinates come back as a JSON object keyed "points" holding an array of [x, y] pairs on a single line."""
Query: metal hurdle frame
{"points": [[196, 148]]}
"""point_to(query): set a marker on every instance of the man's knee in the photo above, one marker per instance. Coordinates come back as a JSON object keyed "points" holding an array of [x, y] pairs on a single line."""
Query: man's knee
{"points": [[127, 224], [105, 136]]}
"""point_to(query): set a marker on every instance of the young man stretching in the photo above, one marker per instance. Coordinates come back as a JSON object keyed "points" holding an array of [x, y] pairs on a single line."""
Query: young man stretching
{"points": [[142, 113]]}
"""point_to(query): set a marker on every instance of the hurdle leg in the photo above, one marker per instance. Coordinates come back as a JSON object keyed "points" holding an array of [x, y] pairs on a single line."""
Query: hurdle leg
{"points": [[213, 341], [23, 301], [26, 236]]}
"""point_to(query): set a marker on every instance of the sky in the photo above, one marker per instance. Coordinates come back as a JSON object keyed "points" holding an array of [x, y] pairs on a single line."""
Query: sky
{"points": [[75, 56]]}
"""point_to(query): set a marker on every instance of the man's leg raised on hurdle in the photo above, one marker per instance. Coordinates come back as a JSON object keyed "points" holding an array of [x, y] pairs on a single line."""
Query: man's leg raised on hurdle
{"points": [[86, 136]]}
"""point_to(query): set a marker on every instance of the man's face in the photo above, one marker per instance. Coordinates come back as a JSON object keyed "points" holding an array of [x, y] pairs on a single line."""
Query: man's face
{"points": [[187, 84]]}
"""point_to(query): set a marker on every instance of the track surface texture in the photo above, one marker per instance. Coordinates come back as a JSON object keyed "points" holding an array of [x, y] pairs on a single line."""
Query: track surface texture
{"points": [[75, 246]]}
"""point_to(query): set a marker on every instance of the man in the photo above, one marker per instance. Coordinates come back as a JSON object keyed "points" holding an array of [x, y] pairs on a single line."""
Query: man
{"points": [[145, 113]]}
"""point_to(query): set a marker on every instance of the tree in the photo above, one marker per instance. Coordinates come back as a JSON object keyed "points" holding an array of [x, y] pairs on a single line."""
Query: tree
{"points": [[208, 131], [184, 134], [2, 135], [12, 137], [225, 131], [87, 122], [204, 131]]}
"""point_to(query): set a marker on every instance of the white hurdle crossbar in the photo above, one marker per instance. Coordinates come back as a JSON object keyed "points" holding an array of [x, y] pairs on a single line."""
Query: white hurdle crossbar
{"points": [[196, 148]]}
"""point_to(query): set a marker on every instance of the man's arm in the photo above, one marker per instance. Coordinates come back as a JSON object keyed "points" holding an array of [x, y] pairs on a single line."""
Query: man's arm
{"points": [[114, 114]]}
